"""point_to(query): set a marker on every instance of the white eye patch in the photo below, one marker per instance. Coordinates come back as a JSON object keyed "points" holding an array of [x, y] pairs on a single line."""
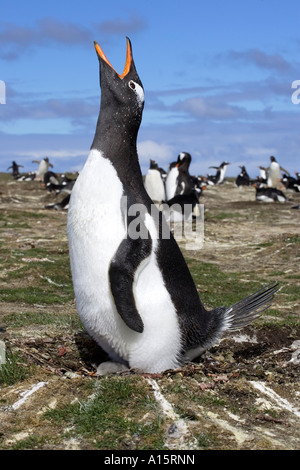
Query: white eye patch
{"points": [[138, 91]]}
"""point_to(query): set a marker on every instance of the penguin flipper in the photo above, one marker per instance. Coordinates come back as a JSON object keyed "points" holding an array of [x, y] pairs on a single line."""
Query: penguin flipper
{"points": [[130, 254], [285, 171]]}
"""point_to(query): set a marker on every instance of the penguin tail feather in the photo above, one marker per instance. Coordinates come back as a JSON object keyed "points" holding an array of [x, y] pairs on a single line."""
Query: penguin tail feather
{"points": [[245, 311]]}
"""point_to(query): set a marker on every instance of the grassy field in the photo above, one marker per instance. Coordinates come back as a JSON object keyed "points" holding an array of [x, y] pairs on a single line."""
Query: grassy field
{"points": [[243, 394]]}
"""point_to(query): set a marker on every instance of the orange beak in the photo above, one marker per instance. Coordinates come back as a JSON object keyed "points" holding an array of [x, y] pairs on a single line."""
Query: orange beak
{"points": [[128, 58]]}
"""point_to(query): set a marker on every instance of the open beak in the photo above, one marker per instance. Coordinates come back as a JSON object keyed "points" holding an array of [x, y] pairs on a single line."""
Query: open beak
{"points": [[128, 58]]}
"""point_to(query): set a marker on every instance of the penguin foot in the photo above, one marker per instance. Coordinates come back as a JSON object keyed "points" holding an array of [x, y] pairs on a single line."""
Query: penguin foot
{"points": [[110, 367]]}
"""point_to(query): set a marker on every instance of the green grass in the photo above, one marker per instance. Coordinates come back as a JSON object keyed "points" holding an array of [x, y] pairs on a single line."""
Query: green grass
{"points": [[217, 288], [207, 440], [222, 215], [113, 418], [19, 220], [21, 215], [36, 295], [292, 292], [26, 319], [190, 394], [30, 443], [42, 281], [295, 240], [14, 370]]}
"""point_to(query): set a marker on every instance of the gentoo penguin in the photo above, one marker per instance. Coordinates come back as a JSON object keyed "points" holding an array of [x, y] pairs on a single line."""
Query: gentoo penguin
{"points": [[176, 179], [43, 168], [218, 178], [198, 182], [59, 206], [291, 183], [269, 194], [274, 173], [65, 185], [243, 178], [185, 182], [134, 292], [183, 206], [154, 184], [262, 174], [15, 169], [27, 176], [50, 180]]}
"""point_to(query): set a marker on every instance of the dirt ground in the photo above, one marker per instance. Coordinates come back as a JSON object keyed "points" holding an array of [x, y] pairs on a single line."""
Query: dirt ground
{"points": [[245, 392]]}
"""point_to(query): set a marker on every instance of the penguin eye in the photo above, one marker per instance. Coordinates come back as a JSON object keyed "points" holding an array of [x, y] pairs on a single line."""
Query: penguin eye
{"points": [[138, 90]]}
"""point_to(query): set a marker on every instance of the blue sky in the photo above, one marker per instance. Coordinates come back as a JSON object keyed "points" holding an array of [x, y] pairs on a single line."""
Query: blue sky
{"points": [[217, 76]]}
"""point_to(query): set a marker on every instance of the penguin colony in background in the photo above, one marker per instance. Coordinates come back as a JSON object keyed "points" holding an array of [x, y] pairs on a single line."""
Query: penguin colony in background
{"points": [[52, 182], [270, 183], [135, 295], [176, 189]]}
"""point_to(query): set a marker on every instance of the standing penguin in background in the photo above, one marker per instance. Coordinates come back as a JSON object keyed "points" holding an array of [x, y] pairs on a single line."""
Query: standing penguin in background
{"points": [[15, 169], [218, 178], [154, 183], [185, 182], [274, 173], [176, 177], [135, 294], [43, 168], [262, 178], [243, 178]]}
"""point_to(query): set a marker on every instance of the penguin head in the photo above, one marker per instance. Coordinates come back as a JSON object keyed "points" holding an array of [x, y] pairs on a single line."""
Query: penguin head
{"points": [[124, 92], [184, 159], [153, 165]]}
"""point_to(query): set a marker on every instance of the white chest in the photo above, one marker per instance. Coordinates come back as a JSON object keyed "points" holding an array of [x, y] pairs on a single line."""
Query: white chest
{"points": [[95, 208], [154, 185], [171, 183], [274, 174], [95, 230], [43, 168]]}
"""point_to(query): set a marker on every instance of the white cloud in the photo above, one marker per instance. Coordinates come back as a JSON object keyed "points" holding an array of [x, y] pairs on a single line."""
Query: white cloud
{"points": [[58, 154], [161, 153], [260, 151]]}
